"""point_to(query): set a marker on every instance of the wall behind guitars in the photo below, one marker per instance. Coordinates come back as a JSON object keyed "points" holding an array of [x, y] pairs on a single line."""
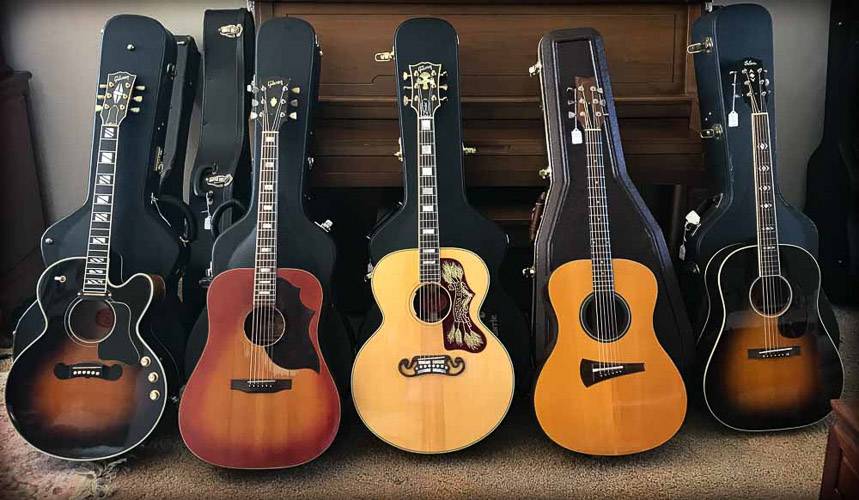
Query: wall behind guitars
{"points": [[58, 41]]}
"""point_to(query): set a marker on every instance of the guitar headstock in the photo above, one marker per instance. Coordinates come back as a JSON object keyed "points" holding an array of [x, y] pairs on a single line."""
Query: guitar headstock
{"points": [[119, 92], [755, 85], [275, 102], [426, 89], [587, 102]]}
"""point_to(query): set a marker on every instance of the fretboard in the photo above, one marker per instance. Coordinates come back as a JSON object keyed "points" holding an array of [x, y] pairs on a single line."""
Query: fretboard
{"points": [[428, 242], [598, 226], [265, 267], [101, 218], [767, 220]]}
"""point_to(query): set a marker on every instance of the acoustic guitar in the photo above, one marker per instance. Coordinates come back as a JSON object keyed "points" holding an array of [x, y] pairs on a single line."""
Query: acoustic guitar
{"points": [[433, 378], [770, 361], [89, 387], [261, 395], [608, 387]]}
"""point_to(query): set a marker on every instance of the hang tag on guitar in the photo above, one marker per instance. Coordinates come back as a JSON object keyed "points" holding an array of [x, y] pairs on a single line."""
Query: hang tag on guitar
{"points": [[577, 136], [733, 119]]}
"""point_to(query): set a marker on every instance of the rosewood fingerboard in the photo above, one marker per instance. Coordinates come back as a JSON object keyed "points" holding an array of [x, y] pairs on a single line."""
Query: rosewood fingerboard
{"points": [[428, 241], [98, 242], [265, 266]]}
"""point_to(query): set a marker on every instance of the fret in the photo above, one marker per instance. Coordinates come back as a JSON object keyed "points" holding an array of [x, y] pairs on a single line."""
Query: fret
{"points": [[598, 220], [428, 242], [265, 273], [769, 261]]}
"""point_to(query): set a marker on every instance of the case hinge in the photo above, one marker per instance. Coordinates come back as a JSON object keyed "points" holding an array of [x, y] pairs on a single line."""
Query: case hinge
{"points": [[384, 56], [399, 153], [705, 46], [468, 150], [713, 132], [230, 30]]}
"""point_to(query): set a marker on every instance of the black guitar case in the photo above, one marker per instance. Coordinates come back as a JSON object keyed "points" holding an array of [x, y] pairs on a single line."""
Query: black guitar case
{"points": [[172, 165], [220, 180], [562, 234], [723, 39], [287, 47], [460, 225], [832, 185], [141, 242]]}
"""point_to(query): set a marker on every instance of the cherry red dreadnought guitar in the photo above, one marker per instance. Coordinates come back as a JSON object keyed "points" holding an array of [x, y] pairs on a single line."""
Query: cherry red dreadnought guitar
{"points": [[261, 396]]}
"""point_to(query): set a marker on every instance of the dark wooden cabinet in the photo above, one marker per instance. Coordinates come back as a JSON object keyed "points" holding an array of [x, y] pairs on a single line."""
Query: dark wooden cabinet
{"points": [[841, 468]]}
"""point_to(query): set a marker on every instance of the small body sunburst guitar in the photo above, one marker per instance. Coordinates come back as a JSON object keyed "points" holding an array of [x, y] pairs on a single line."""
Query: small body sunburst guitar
{"points": [[433, 378], [261, 395], [770, 362], [608, 387], [89, 387]]}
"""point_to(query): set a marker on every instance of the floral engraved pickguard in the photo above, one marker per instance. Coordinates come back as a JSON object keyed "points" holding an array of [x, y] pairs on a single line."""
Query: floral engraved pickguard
{"points": [[460, 332]]}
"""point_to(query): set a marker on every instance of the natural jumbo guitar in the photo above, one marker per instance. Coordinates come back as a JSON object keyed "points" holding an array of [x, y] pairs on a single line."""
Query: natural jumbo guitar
{"points": [[770, 362], [261, 395], [608, 387], [89, 387], [433, 378]]}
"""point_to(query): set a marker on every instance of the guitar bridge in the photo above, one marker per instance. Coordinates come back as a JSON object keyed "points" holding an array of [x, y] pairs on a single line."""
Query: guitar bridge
{"points": [[593, 372], [267, 386], [87, 370], [426, 365], [774, 352]]}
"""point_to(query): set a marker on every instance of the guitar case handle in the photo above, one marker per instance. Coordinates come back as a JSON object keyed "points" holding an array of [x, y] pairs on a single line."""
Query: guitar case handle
{"points": [[218, 212], [190, 223]]}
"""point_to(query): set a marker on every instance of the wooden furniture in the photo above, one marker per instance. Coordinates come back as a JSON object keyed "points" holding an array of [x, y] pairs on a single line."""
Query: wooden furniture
{"points": [[356, 128], [841, 467]]}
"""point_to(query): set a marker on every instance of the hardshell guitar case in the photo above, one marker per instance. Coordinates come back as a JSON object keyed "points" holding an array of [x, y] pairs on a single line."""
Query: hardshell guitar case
{"points": [[723, 39], [832, 185], [220, 179], [460, 225], [287, 47], [141, 241], [562, 235]]}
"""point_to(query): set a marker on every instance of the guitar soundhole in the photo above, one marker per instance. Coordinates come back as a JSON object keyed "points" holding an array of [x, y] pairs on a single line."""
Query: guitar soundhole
{"points": [[605, 316], [431, 302], [770, 296], [265, 326], [90, 320]]}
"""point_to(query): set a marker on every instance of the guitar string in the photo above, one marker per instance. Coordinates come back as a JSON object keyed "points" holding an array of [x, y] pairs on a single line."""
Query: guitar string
{"points": [[761, 243], [608, 271], [773, 223]]}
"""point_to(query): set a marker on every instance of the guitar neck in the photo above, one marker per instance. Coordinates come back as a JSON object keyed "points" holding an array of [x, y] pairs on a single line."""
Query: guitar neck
{"points": [[101, 218], [428, 240], [598, 221], [265, 268], [769, 263]]}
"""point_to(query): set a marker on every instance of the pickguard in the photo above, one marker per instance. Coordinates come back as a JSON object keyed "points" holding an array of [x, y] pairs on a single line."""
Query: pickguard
{"points": [[460, 331], [294, 350]]}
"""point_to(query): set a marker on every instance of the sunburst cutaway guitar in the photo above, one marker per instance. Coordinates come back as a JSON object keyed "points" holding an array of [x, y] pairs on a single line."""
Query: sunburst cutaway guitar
{"points": [[608, 387], [433, 378], [770, 363], [89, 386], [261, 395]]}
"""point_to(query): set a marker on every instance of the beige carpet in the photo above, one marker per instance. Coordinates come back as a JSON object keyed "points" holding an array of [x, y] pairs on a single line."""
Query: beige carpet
{"points": [[704, 460]]}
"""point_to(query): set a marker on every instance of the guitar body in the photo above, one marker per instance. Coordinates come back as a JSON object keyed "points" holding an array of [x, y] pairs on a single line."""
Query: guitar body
{"points": [[226, 420], [458, 397], [768, 373], [631, 412], [89, 387]]}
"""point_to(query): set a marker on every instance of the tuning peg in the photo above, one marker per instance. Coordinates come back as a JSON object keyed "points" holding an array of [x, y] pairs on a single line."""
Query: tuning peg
{"points": [[406, 100], [134, 110], [100, 96], [102, 85], [443, 86], [406, 75], [140, 88], [138, 98], [293, 115], [295, 90], [407, 87], [443, 98], [254, 115], [98, 108], [294, 103], [254, 102], [249, 88], [443, 73]]}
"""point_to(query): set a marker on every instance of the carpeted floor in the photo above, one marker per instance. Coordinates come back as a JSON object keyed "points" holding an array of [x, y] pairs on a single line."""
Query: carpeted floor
{"points": [[704, 460]]}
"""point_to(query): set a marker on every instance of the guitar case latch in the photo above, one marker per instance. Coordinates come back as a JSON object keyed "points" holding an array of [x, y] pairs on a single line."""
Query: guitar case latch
{"points": [[706, 46], [230, 30], [713, 132], [220, 180], [384, 56]]}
